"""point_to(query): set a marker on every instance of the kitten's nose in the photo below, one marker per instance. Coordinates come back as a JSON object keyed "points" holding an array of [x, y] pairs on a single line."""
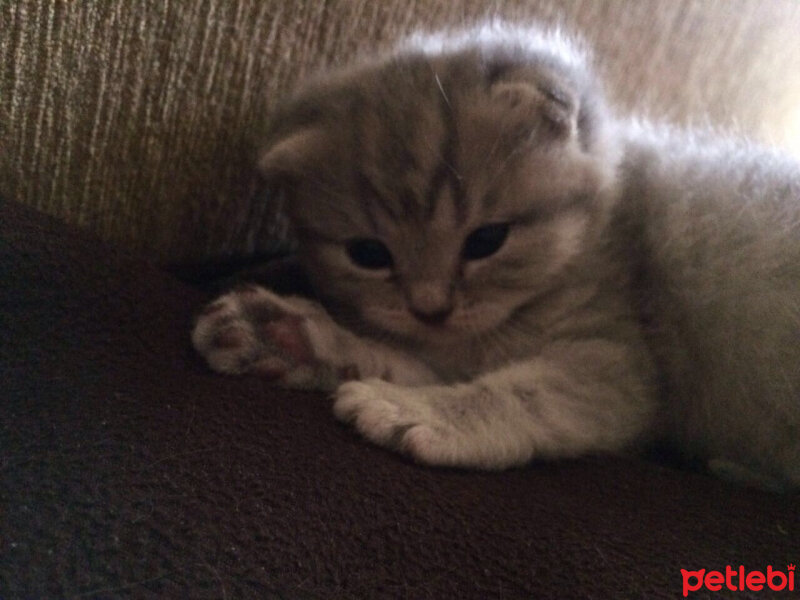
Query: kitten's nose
{"points": [[430, 303], [433, 318]]}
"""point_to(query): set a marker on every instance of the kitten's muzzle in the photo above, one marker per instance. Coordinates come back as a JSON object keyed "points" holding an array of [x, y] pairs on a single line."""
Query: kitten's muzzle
{"points": [[430, 302], [433, 318]]}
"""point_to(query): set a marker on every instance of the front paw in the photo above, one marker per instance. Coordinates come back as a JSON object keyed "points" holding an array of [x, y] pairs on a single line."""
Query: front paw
{"points": [[399, 418], [252, 330]]}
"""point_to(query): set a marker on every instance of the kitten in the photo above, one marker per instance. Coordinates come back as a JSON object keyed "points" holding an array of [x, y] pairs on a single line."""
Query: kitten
{"points": [[507, 271]]}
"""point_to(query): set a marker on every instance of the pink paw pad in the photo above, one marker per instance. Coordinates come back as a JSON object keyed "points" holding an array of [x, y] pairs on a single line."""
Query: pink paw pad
{"points": [[231, 337], [271, 367], [349, 373], [287, 334]]}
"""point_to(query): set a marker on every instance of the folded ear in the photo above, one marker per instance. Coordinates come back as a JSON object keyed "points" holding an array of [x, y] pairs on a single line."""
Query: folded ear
{"points": [[292, 155], [550, 109]]}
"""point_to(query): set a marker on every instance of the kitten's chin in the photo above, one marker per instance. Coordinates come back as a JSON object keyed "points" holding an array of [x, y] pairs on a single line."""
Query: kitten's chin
{"points": [[439, 335]]}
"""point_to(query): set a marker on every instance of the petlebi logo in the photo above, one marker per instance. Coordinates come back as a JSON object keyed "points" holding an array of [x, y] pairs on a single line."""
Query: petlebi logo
{"points": [[738, 580]]}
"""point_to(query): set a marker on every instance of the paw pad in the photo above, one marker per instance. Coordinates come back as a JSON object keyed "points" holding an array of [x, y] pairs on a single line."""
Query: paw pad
{"points": [[251, 330]]}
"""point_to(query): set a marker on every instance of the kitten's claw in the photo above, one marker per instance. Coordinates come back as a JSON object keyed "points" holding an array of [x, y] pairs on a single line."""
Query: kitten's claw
{"points": [[251, 330], [396, 417]]}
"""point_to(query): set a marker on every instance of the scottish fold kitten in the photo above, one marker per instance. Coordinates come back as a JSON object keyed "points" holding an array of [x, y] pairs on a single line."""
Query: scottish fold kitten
{"points": [[505, 270]]}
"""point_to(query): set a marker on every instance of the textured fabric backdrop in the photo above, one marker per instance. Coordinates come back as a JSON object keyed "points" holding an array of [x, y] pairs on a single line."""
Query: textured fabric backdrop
{"points": [[136, 120]]}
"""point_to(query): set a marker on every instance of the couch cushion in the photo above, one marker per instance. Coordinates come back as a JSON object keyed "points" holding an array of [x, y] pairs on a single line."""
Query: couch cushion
{"points": [[129, 470]]}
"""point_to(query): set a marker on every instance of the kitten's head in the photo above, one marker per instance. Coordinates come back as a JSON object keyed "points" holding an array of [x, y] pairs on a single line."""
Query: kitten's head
{"points": [[436, 191]]}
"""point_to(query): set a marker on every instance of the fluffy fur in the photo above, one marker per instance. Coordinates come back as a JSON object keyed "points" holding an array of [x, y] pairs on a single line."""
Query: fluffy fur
{"points": [[505, 270]]}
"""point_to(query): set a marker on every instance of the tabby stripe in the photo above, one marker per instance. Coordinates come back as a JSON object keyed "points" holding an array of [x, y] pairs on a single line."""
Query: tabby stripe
{"points": [[445, 173]]}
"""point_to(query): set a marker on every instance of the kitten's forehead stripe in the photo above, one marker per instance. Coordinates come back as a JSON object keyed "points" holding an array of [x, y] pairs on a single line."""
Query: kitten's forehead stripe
{"points": [[373, 192], [367, 191], [364, 187], [404, 153], [446, 173]]}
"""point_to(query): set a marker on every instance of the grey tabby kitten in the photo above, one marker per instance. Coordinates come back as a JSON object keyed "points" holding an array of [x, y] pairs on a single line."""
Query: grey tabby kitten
{"points": [[506, 271]]}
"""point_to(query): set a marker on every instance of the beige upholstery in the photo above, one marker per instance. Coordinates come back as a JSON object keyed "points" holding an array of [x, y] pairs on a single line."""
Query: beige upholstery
{"points": [[136, 120]]}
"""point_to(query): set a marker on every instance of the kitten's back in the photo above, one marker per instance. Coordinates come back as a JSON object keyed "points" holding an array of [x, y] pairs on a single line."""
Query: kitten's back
{"points": [[720, 252]]}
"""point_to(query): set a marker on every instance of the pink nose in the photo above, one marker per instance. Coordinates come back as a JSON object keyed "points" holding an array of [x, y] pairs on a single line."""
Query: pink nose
{"points": [[433, 318], [430, 302]]}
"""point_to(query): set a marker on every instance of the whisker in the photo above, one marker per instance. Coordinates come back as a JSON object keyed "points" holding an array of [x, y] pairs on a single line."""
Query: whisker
{"points": [[441, 89], [504, 165]]}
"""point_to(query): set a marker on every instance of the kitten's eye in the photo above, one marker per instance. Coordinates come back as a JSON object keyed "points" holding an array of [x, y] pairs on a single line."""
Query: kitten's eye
{"points": [[369, 253], [485, 241]]}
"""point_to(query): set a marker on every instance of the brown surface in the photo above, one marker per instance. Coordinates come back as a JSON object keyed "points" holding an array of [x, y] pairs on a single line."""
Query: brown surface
{"points": [[127, 470], [136, 123]]}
